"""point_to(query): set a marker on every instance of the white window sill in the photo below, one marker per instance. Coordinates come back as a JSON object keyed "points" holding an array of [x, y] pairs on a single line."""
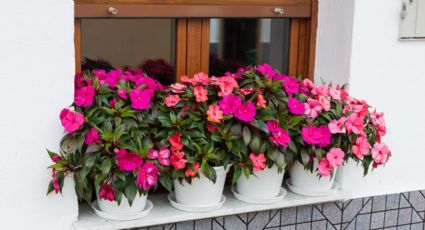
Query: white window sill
{"points": [[163, 213]]}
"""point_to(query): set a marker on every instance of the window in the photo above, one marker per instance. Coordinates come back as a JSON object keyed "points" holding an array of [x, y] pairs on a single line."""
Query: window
{"points": [[413, 19], [197, 35]]}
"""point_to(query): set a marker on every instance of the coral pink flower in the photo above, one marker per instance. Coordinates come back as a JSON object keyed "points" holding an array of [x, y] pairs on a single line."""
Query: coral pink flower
{"points": [[335, 94], [70, 120], [172, 100], [229, 104], [321, 90], [107, 192], [140, 99], [337, 126], [178, 88], [128, 161], [361, 148], [214, 114], [147, 176], [273, 125], [335, 157], [325, 103], [291, 85], [280, 137], [312, 108], [258, 162], [175, 142], [380, 153], [92, 137], [186, 80], [261, 102], [162, 155], [296, 107], [191, 173], [122, 93], [201, 78], [247, 91], [84, 96], [377, 119], [266, 70], [200, 94], [354, 124], [324, 167], [177, 160], [226, 85], [246, 112]]}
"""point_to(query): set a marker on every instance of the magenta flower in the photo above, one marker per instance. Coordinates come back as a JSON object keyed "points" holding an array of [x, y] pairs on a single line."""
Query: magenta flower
{"points": [[113, 78], [140, 99], [325, 136], [163, 155], [148, 82], [70, 120], [246, 112], [296, 107], [107, 192], [320, 136], [324, 167], [147, 176], [291, 85], [128, 161], [101, 75], [335, 157], [266, 70], [84, 96], [273, 126], [280, 137], [122, 93], [229, 104], [92, 137]]}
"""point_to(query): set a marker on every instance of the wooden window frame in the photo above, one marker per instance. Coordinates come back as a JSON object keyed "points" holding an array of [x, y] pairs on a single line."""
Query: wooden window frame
{"points": [[192, 45]]}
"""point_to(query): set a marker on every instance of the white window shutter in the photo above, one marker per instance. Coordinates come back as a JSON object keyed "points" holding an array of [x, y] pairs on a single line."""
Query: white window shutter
{"points": [[413, 19]]}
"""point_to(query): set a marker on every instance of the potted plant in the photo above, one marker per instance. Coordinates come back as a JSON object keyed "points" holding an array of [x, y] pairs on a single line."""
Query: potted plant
{"points": [[108, 136], [192, 128], [333, 123]]}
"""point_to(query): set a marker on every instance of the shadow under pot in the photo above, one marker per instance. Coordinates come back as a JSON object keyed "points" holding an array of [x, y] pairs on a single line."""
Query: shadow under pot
{"points": [[201, 194]]}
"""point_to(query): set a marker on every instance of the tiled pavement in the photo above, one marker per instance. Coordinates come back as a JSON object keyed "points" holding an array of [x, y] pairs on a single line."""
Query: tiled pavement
{"points": [[396, 211]]}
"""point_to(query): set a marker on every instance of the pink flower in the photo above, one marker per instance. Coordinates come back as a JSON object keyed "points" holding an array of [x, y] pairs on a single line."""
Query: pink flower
{"points": [[361, 147], [273, 125], [172, 100], [128, 161], [140, 99], [175, 142], [201, 78], [55, 181], [122, 93], [312, 108], [379, 122], [163, 155], [147, 176], [266, 70], [335, 157], [56, 158], [92, 137], [247, 91], [246, 112], [226, 85], [280, 137], [335, 94], [324, 167], [261, 102], [70, 120], [380, 153], [214, 114], [337, 126], [229, 104], [291, 85], [178, 88], [84, 96], [321, 90], [354, 124], [309, 84], [200, 94], [186, 80], [191, 173], [258, 162], [296, 107], [325, 103], [107, 192], [177, 160]]}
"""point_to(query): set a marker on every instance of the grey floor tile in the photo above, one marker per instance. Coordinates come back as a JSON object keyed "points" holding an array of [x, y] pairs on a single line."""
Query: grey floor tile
{"points": [[404, 216], [305, 226], [417, 200], [392, 201], [288, 216], [378, 203], [304, 213], [377, 220], [363, 222], [391, 218], [319, 225], [188, 225], [418, 226], [332, 212]]}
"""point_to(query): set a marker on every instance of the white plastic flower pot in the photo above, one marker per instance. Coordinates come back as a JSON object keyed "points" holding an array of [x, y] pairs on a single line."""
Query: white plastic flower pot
{"points": [[202, 191], [124, 207], [263, 184], [310, 181]]}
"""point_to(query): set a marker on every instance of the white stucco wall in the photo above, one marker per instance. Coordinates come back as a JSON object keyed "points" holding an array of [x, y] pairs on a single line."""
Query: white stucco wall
{"points": [[389, 74], [36, 75]]}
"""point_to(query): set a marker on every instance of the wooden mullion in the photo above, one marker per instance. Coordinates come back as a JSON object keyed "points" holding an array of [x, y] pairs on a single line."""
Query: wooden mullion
{"points": [[77, 44], [293, 46], [302, 48], [312, 38], [205, 45], [181, 48]]}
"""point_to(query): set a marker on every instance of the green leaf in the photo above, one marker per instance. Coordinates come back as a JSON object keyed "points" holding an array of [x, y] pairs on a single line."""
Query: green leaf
{"points": [[295, 120], [166, 181], [260, 125], [236, 174], [106, 166], [209, 171], [90, 160], [255, 144], [246, 135], [130, 191]]}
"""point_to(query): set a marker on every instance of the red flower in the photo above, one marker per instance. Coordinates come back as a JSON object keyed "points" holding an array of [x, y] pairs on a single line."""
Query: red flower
{"points": [[177, 160], [107, 192], [176, 144]]}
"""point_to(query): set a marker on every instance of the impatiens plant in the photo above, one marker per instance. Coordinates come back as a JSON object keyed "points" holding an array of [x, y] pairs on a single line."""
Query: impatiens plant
{"points": [[108, 143]]}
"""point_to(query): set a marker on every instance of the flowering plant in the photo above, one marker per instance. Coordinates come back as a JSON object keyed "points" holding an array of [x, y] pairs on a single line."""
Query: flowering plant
{"points": [[336, 128], [108, 136]]}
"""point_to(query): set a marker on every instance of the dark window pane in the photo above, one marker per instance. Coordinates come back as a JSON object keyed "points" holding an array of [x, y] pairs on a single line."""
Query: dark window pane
{"points": [[239, 42], [148, 44]]}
